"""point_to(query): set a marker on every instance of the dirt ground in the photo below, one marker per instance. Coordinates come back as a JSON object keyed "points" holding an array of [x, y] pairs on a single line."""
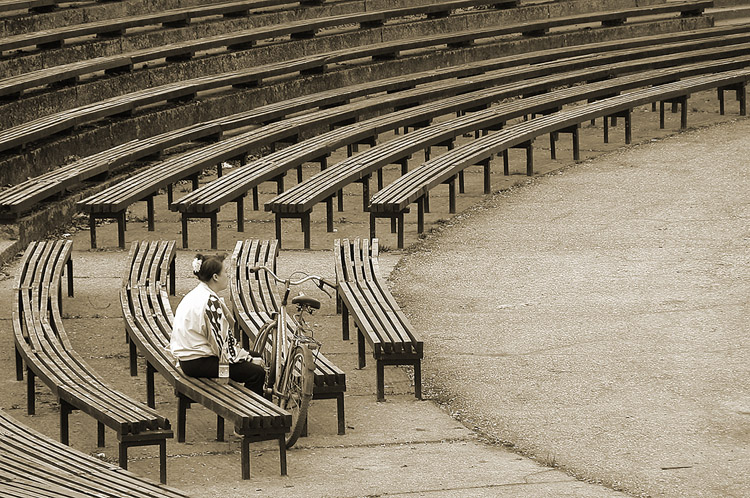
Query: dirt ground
{"points": [[401, 447]]}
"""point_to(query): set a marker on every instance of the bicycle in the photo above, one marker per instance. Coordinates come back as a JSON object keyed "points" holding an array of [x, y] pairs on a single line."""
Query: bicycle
{"points": [[290, 353]]}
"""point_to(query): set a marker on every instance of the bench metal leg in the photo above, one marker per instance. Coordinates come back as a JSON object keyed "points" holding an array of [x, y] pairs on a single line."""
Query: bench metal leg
{"points": [[360, 349], [683, 113], [552, 154], [163, 461], [530, 159], [121, 229], [100, 439], [172, 278], [380, 179], [365, 192], [214, 231], [184, 231], [122, 460], [19, 365], [340, 200], [277, 222], [133, 359], [487, 176], [401, 230], [282, 455], [340, 413], [461, 183], [418, 379], [452, 195], [92, 230], [256, 199], [306, 229], [628, 126], [329, 215], [183, 403], [150, 212], [245, 457], [150, 388], [69, 265], [30, 392], [65, 410], [394, 227], [661, 114], [372, 225], [344, 322], [380, 374], [420, 215], [506, 163], [219, 428], [241, 213]]}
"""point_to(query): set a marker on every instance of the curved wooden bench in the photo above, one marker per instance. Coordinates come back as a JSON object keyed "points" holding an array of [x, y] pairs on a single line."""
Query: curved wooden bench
{"points": [[30, 5], [299, 200], [34, 465], [54, 38], [42, 344], [377, 316], [16, 200], [254, 300], [148, 322], [393, 200], [17, 137], [12, 88]]}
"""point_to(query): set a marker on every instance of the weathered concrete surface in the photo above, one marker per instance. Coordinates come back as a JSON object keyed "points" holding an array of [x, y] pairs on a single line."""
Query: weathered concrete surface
{"points": [[598, 317], [402, 447]]}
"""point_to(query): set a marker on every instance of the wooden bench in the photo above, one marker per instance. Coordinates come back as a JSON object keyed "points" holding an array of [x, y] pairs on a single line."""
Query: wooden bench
{"points": [[29, 5], [43, 346], [379, 320], [148, 322], [18, 199], [172, 18], [18, 137], [254, 300], [299, 201], [34, 465], [13, 87], [393, 200]]}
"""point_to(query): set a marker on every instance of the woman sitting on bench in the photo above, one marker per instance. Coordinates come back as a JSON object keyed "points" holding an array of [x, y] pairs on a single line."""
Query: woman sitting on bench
{"points": [[202, 331]]}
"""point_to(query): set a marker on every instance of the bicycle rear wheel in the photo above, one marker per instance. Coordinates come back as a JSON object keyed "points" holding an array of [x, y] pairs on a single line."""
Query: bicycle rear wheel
{"points": [[298, 390]]}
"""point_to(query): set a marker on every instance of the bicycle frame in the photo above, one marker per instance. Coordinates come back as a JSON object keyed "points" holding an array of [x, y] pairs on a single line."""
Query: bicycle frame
{"points": [[283, 340]]}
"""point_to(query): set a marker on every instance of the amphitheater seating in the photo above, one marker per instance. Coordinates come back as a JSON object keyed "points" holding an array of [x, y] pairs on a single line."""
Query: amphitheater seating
{"points": [[254, 299], [30, 5], [148, 321], [379, 320], [35, 465], [393, 201], [13, 87], [299, 201], [15, 201], [54, 38], [17, 137], [42, 344]]}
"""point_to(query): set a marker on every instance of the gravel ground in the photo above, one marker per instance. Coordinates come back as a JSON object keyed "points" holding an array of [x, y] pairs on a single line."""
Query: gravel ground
{"points": [[596, 318]]}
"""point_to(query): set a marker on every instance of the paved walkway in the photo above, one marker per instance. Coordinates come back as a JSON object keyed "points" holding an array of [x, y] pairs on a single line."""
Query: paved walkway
{"points": [[600, 316]]}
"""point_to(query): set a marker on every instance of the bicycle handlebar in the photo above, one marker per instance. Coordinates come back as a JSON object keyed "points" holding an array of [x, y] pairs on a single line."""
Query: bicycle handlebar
{"points": [[320, 279]]}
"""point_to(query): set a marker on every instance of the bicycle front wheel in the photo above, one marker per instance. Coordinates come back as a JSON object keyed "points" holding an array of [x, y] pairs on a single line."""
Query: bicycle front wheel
{"points": [[298, 393]]}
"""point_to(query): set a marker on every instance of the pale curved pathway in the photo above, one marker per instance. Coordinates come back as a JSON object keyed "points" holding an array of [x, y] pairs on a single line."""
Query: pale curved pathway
{"points": [[599, 316]]}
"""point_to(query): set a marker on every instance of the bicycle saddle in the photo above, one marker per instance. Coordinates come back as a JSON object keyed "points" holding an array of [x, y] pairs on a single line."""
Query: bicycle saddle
{"points": [[306, 301]]}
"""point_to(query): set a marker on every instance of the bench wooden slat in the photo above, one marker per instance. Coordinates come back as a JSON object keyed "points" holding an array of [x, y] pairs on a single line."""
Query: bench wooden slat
{"points": [[376, 314]]}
